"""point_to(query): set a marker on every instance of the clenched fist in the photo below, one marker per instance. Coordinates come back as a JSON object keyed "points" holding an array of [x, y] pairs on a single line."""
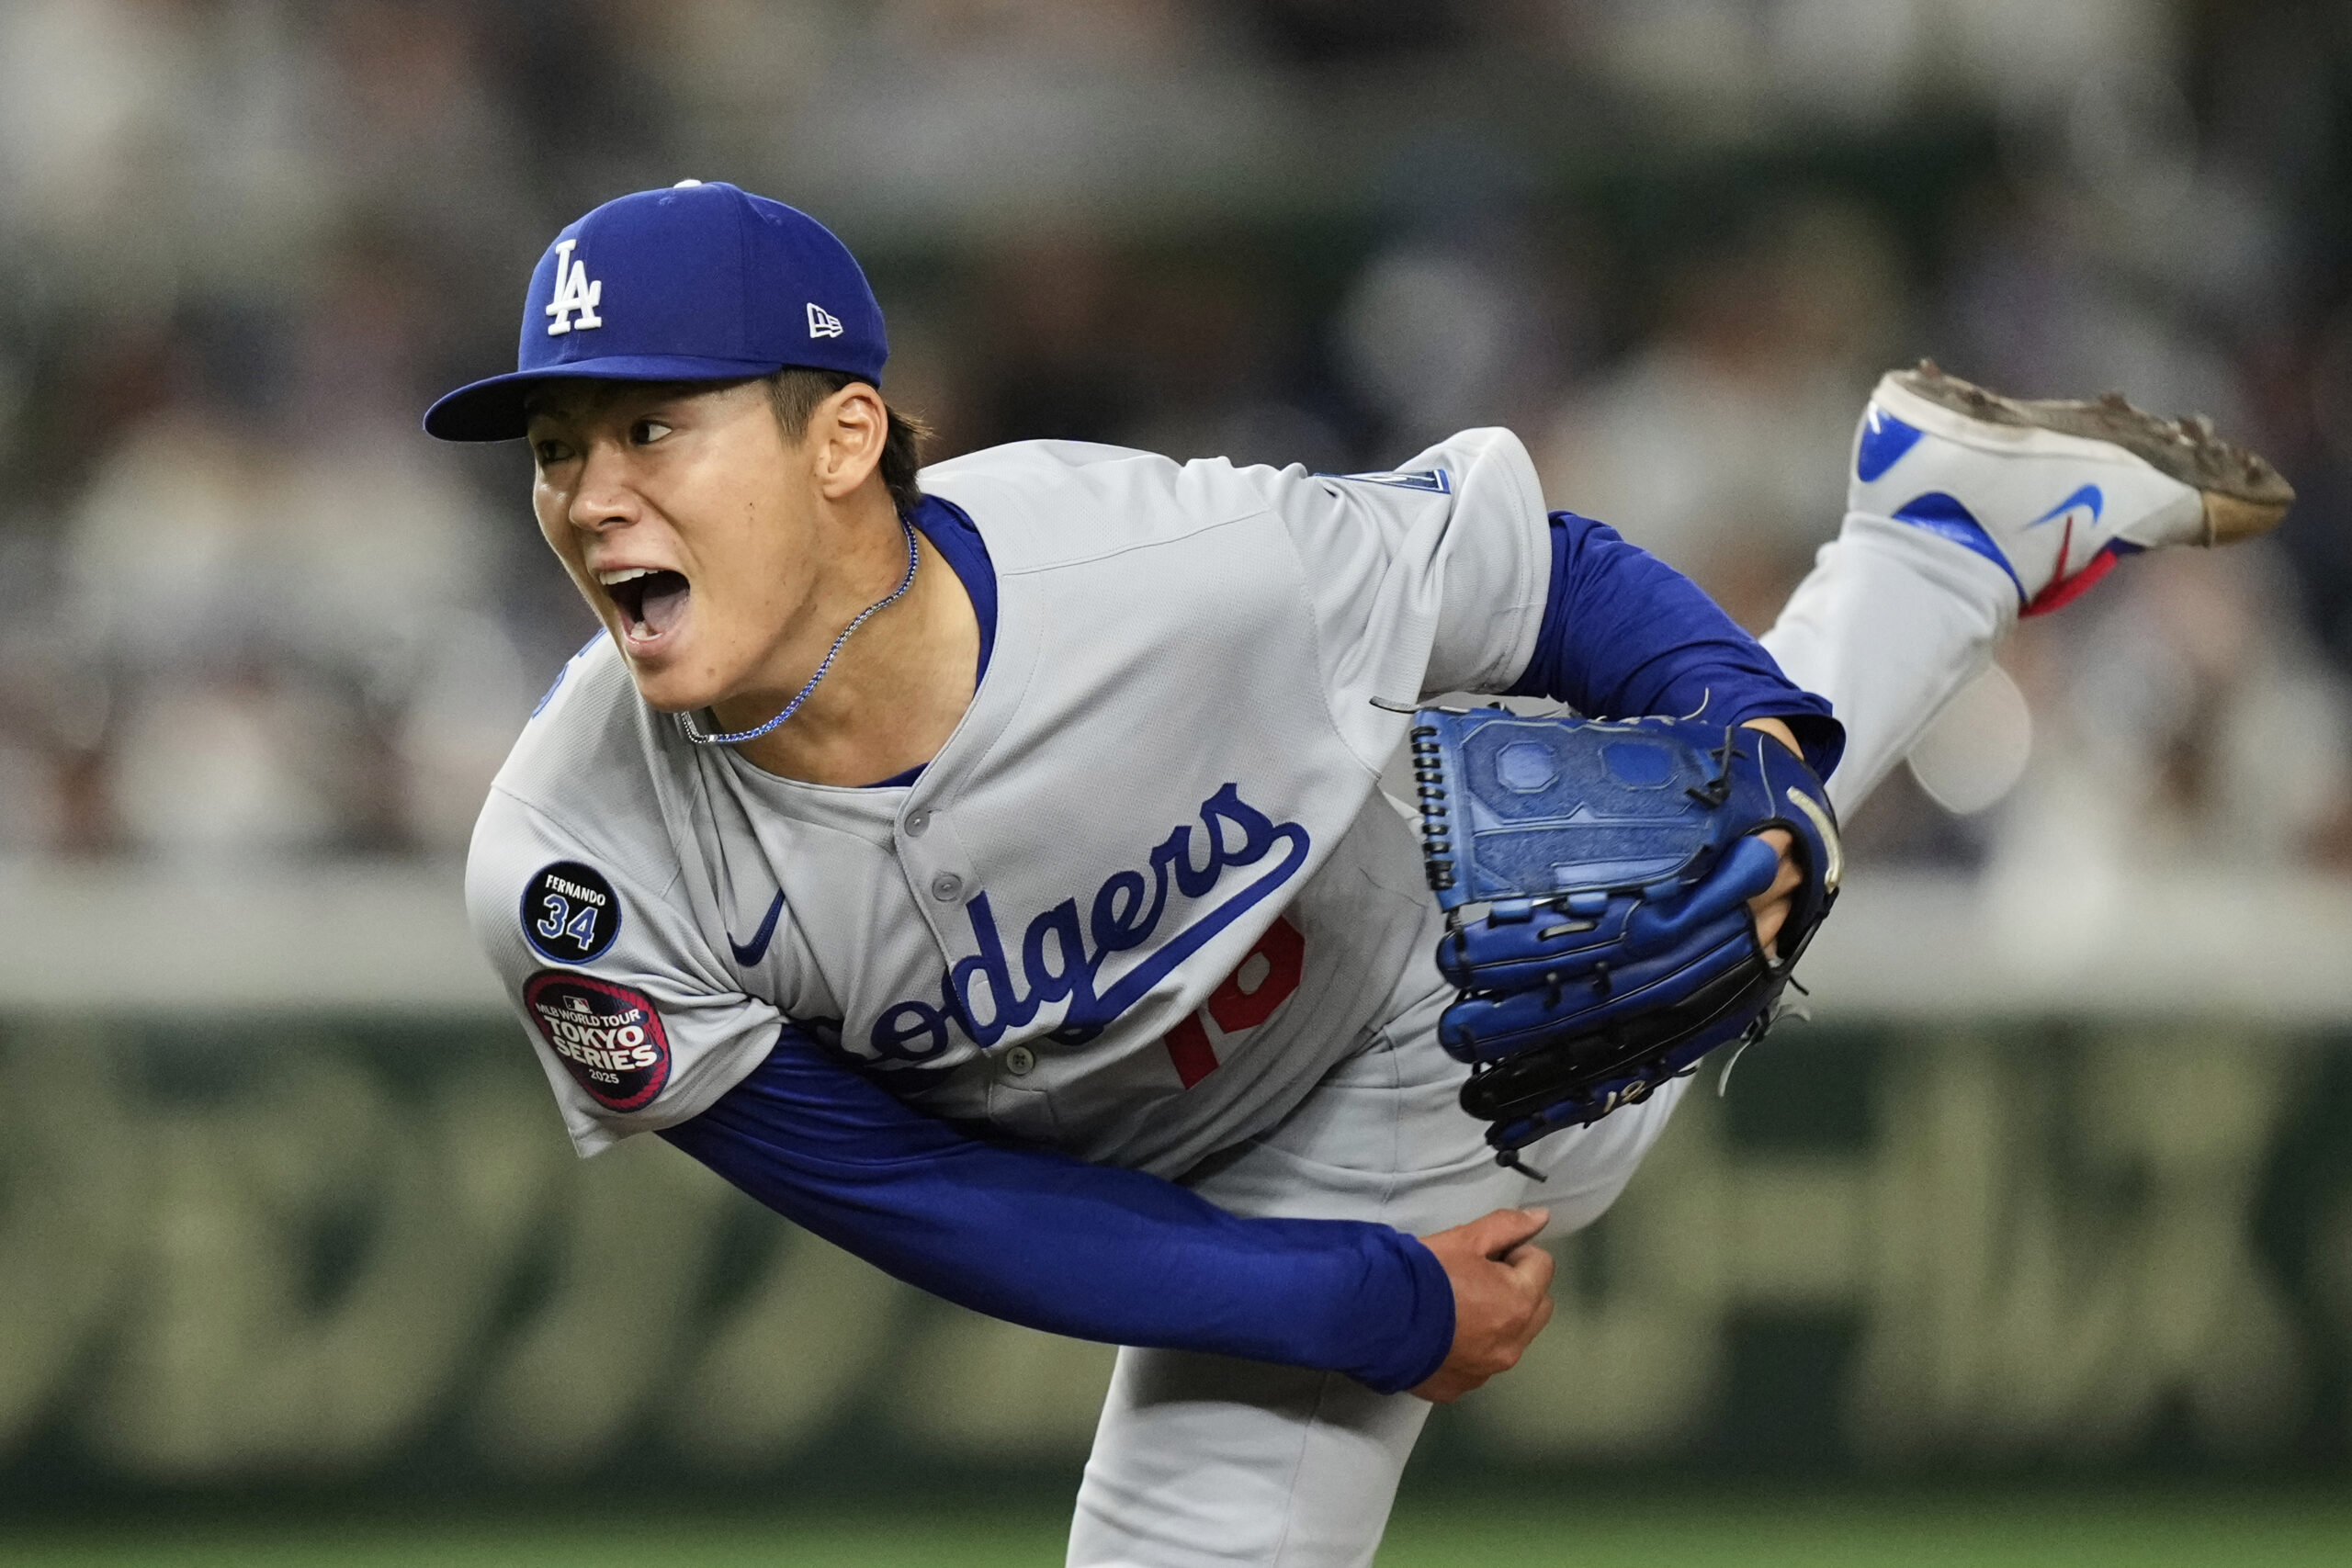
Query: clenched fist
{"points": [[1502, 1297]]}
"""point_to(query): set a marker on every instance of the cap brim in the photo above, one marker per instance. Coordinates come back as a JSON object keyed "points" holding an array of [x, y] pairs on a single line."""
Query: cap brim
{"points": [[492, 410]]}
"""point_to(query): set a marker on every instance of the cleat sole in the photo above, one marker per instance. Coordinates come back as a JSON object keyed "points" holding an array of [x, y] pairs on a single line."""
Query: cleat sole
{"points": [[2230, 518], [2244, 496]]}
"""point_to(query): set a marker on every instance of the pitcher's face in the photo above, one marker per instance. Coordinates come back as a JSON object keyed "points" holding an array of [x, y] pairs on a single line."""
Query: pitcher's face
{"points": [[687, 520]]}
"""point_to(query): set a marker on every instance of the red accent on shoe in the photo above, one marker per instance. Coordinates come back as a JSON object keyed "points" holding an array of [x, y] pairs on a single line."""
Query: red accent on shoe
{"points": [[2059, 594]]}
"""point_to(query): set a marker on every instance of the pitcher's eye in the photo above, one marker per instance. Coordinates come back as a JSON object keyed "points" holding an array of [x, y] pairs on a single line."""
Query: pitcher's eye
{"points": [[550, 453], [645, 432]]}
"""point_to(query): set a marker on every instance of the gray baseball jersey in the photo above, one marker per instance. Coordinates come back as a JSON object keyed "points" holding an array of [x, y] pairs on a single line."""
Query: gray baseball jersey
{"points": [[1146, 895]]}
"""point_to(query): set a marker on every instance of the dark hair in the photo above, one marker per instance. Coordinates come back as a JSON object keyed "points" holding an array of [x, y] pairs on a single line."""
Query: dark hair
{"points": [[795, 391]]}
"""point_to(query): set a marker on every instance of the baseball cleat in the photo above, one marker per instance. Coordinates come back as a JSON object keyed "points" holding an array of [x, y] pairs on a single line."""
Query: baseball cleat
{"points": [[2054, 493]]}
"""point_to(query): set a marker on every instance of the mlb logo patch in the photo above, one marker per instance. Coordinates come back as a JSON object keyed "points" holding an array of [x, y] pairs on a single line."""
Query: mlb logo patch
{"points": [[1437, 482], [607, 1036]]}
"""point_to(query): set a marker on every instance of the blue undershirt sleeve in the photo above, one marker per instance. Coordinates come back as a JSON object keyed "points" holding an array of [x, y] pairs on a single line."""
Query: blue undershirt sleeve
{"points": [[1625, 635], [1042, 1239]]}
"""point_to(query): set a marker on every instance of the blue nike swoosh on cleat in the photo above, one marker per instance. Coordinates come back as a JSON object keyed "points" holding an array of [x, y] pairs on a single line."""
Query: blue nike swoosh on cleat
{"points": [[749, 952], [1943, 514], [2089, 495], [1885, 440]]}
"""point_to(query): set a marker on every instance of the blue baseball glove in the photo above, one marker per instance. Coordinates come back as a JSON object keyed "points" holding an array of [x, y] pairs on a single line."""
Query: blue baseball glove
{"points": [[1596, 877]]}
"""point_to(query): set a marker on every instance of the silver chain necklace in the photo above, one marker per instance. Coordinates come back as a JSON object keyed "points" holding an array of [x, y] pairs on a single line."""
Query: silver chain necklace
{"points": [[686, 723]]}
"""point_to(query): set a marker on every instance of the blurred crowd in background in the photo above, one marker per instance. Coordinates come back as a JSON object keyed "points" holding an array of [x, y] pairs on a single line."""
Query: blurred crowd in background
{"points": [[252, 611]]}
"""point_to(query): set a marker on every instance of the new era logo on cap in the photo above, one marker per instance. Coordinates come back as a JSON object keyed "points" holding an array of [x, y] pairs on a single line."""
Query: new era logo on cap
{"points": [[709, 283]]}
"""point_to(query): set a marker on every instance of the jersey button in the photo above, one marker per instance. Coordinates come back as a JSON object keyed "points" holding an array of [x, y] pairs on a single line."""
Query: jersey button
{"points": [[946, 886], [1019, 1060], [917, 822]]}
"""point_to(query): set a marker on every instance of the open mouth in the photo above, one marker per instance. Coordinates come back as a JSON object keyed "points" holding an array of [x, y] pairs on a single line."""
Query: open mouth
{"points": [[650, 601]]}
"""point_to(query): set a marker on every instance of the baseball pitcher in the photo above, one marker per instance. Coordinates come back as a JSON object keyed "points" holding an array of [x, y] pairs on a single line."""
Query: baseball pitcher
{"points": [[985, 866]]}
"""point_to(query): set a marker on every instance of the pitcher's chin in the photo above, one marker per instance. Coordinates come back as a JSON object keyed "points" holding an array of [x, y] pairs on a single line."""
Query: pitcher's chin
{"points": [[667, 684]]}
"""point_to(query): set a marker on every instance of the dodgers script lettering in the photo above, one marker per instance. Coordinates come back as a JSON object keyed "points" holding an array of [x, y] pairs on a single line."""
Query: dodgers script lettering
{"points": [[1065, 950]]}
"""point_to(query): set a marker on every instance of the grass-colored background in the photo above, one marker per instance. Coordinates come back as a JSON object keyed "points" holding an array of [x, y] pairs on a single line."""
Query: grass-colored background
{"points": [[1757, 1528]]}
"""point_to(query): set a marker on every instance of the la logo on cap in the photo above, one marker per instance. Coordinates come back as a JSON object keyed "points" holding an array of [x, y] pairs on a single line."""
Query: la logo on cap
{"points": [[573, 292]]}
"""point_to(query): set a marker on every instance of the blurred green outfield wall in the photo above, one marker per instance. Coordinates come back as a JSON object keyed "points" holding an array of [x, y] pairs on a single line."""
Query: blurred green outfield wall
{"points": [[363, 1255]]}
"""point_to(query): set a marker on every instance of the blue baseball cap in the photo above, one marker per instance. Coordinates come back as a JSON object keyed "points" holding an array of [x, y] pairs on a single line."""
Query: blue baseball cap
{"points": [[696, 283]]}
